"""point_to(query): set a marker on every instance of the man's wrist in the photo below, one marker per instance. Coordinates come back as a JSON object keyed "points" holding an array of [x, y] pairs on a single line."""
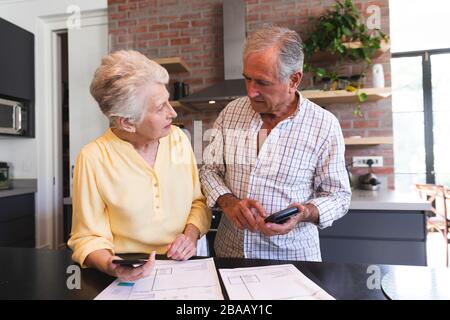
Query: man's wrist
{"points": [[311, 213], [226, 200]]}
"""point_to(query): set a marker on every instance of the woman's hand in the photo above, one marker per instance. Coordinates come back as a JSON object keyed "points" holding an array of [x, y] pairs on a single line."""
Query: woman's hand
{"points": [[130, 274], [185, 244]]}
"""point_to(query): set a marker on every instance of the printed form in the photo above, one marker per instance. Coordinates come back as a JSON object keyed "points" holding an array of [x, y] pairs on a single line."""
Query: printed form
{"points": [[277, 282], [171, 280]]}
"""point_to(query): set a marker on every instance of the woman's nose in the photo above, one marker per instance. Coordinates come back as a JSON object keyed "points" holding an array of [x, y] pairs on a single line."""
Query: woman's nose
{"points": [[172, 112]]}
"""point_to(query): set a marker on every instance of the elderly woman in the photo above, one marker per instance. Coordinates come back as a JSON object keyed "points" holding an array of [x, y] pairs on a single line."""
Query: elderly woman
{"points": [[136, 188]]}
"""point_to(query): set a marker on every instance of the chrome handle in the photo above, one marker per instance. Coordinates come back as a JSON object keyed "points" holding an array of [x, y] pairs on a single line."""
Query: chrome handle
{"points": [[17, 117]]}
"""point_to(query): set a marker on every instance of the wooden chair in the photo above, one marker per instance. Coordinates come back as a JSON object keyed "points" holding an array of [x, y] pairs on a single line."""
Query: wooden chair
{"points": [[439, 198]]}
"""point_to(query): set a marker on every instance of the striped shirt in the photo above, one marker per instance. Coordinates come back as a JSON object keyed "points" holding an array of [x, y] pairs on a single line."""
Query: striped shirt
{"points": [[301, 160]]}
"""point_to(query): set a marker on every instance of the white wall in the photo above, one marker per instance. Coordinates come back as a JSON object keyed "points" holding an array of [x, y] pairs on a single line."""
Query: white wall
{"points": [[33, 158]]}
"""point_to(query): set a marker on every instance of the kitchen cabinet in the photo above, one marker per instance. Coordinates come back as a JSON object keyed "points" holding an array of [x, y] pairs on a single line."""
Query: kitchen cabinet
{"points": [[381, 227], [376, 237], [17, 221], [17, 71], [16, 61]]}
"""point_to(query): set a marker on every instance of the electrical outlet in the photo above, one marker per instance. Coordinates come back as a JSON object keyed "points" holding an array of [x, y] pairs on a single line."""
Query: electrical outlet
{"points": [[362, 161]]}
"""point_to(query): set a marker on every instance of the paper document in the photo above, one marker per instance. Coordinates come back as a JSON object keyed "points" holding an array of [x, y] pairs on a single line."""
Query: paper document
{"points": [[170, 280], [278, 282]]}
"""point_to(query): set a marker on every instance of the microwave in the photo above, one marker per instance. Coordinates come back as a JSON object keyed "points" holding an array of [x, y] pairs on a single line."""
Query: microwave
{"points": [[14, 117]]}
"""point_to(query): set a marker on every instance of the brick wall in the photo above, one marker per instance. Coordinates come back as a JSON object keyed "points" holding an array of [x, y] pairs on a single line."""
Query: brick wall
{"points": [[192, 29]]}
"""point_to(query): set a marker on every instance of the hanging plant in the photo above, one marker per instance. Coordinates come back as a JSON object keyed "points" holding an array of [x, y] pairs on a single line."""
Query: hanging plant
{"points": [[340, 32]]}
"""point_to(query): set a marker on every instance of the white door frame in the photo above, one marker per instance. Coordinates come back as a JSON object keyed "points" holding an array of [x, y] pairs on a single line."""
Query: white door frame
{"points": [[49, 203]]}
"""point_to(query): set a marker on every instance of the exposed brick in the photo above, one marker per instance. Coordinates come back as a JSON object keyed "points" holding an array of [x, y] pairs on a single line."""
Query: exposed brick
{"points": [[127, 23], [147, 36], [180, 41], [179, 25], [138, 29], [117, 16], [168, 34], [158, 27], [365, 124]]}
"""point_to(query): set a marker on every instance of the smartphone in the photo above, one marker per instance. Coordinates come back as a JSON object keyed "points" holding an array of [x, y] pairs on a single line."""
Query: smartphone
{"points": [[131, 260], [131, 263], [281, 216]]}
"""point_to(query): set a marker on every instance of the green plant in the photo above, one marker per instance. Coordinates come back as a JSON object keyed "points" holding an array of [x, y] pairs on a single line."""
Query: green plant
{"points": [[340, 32]]}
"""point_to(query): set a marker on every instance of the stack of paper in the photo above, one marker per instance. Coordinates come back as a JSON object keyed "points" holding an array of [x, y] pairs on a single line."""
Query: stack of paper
{"points": [[278, 282], [197, 280], [171, 280]]}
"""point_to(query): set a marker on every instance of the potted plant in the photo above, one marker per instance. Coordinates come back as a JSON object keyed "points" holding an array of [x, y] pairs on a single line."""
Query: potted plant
{"points": [[340, 32]]}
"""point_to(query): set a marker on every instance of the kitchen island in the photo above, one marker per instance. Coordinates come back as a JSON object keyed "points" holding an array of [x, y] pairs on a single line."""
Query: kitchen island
{"points": [[50, 274], [381, 227]]}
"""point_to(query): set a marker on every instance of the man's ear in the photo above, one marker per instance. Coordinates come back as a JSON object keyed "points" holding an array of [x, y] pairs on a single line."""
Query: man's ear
{"points": [[126, 124], [295, 81]]}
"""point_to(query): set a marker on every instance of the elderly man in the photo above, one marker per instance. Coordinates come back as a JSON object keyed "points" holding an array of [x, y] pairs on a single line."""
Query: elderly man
{"points": [[271, 150]]}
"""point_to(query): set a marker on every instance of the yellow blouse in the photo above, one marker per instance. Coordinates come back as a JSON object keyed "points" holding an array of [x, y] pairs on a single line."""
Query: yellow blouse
{"points": [[122, 204]]}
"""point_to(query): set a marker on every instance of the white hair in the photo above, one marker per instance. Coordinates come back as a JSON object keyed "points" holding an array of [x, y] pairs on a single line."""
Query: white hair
{"points": [[118, 82], [290, 48]]}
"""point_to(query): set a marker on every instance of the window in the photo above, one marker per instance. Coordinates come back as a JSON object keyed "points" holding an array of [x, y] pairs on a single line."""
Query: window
{"points": [[420, 91]]}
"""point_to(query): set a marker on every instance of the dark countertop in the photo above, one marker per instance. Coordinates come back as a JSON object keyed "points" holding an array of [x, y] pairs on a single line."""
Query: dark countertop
{"points": [[19, 187], [43, 274]]}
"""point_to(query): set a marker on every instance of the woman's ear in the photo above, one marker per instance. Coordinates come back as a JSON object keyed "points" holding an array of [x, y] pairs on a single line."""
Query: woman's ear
{"points": [[295, 81], [126, 124]]}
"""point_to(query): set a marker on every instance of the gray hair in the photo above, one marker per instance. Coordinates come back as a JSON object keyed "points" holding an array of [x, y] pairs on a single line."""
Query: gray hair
{"points": [[118, 82], [289, 43]]}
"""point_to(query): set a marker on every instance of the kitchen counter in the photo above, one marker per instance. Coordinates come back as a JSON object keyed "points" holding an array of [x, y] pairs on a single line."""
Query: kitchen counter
{"points": [[44, 274], [20, 187], [387, 200], [375, 200]]}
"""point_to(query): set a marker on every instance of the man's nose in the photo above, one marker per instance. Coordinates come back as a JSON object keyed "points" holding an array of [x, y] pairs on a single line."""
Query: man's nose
{"points": [[252, 92]]}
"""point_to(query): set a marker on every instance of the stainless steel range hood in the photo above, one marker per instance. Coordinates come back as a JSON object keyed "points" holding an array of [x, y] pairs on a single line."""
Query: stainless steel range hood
{"points": [[233, 40]]}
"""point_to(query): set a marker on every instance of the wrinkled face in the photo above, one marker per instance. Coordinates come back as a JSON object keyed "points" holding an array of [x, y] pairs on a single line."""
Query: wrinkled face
{"points": [[158, 116], [266, 92]]}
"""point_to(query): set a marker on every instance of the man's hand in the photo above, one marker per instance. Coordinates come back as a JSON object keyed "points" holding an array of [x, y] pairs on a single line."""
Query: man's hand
{"points": [[185, 244], [306, 213], [128, 273], [242, 213]]}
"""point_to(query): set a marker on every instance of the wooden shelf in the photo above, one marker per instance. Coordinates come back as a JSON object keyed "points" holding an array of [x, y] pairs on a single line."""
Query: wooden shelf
{"points": [[343, 96], [384, 46], [360, 141], [173, 64], [329, 57]]}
